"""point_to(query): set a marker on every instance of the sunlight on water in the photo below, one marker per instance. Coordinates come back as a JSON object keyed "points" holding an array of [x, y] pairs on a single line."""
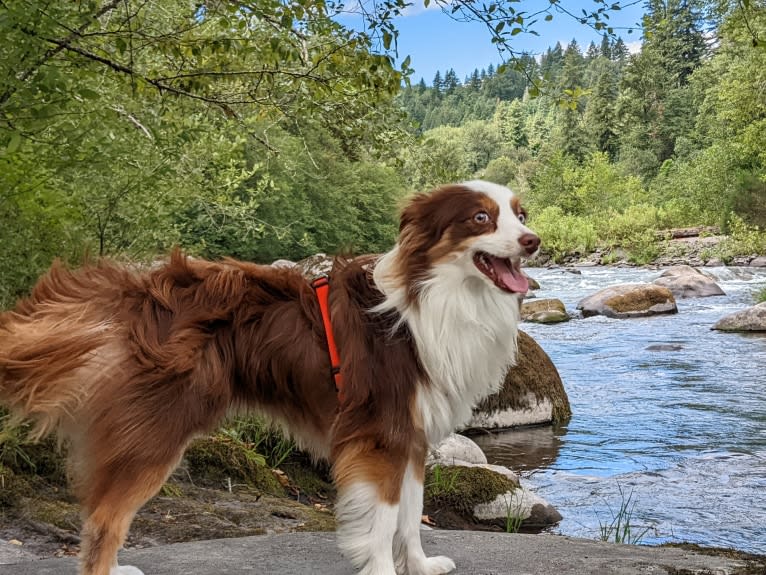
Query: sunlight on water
{"points": [[684, 430]]}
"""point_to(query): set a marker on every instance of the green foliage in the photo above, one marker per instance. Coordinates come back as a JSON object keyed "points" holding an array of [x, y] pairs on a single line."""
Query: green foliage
{"points": [[760, 295], [263, 444], [443, 480], [742, 239], [564, 234]]}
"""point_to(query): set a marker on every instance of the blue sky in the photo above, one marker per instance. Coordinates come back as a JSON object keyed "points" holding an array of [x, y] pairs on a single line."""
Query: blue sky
{"points": [[436, 42]]}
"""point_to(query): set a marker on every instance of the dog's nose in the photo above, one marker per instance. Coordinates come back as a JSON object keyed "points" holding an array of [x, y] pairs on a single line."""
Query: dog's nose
{"points": [[530, 243]]}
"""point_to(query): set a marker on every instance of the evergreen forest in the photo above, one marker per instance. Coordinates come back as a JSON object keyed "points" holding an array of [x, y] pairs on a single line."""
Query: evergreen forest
{"points": [[265, 130]]}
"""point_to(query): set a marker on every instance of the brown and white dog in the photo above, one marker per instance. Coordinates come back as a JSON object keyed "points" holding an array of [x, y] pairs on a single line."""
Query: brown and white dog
{"points": [[129, 365]]}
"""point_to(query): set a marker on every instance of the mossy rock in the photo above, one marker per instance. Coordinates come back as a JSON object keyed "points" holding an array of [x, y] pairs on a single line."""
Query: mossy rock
{"points": [[461, 489], [534, 379], [629, 301], [215, 460]]}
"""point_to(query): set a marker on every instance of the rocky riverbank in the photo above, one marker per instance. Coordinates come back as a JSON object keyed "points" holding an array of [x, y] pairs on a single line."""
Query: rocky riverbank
{"points": [[697, 247]]}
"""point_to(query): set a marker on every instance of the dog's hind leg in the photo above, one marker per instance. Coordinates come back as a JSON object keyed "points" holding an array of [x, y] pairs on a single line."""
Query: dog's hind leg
{"points": [[368, 482], [114, 494]]}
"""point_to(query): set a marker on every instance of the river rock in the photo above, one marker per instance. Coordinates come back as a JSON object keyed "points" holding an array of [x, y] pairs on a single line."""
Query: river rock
{"points": [[456, 448], [629, 300], [480, 492], [532, 392], [544, 311], [533, 283], [750, 319], [758, 262], [685, 281], [533, 511]]}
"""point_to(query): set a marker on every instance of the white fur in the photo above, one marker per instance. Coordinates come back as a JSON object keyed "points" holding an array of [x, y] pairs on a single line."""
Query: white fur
{"points": [[463, 325], [408, 551], [366, 528]]}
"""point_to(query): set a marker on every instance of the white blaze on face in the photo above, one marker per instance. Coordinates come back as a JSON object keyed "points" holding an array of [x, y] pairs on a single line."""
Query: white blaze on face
{"points": [[500, 252]]}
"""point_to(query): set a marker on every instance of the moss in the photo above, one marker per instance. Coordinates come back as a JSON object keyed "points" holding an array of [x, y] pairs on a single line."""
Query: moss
{"points": [[467, 488], [639, 299], [215, 460], [533, 375], [312, 480]]}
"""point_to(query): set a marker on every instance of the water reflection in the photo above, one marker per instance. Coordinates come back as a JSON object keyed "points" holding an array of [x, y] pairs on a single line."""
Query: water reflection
{"points": [[525, 449]]}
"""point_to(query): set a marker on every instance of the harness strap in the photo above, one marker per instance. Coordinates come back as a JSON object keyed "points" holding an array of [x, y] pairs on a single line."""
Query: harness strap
{"points": [[321, 286]]}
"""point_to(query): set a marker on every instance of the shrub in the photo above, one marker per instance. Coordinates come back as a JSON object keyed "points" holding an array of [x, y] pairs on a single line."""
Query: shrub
{"points": [[743, 239], [564, 234]]}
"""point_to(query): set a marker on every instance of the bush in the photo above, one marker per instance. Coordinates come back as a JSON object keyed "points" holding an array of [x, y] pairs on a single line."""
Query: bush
{"points": [[743, 240], [563, 234]]}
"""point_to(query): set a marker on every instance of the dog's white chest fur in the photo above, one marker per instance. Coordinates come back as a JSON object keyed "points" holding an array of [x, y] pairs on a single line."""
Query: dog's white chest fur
{"points": [[465, 333]]}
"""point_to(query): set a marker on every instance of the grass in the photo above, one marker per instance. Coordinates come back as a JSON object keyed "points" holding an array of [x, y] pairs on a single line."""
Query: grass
{"points": [[443, 480], [760, 295], [513, 515], [622, 527], [260, 441]]}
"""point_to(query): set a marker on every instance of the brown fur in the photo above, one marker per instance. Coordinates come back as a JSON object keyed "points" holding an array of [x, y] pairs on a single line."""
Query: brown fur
{"points": [[434, 225], [129, 365]]}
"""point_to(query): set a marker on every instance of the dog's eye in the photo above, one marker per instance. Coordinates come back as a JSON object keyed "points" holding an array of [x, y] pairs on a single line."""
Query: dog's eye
{"points": [[523, 218], [481, 218]]}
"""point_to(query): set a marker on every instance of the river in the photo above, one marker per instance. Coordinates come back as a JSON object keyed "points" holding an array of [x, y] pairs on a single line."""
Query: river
{"points": [[680, 431]]}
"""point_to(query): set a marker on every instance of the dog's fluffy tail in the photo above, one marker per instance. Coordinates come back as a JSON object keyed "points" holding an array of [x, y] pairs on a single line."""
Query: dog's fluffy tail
{"points": [[47, 361]]}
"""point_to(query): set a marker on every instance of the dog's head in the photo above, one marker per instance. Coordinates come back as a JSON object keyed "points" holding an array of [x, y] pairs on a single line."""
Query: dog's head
{"points": [[473, 231]]}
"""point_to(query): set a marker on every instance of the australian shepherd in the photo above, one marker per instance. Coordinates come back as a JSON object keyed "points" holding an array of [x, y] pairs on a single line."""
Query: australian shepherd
{"points": [[128, 365]]}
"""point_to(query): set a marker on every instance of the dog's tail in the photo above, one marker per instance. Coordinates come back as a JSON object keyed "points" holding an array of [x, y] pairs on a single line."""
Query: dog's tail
{"points": [[48, 359]]}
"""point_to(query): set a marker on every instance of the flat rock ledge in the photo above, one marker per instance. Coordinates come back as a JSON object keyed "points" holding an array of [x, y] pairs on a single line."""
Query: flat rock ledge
{"points": [[750, 319], [475, 553], [628, 301]]}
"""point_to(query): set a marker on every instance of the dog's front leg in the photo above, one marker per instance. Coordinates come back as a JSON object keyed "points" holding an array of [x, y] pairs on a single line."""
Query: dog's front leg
{"points": [[408, 551], [368, 481]]}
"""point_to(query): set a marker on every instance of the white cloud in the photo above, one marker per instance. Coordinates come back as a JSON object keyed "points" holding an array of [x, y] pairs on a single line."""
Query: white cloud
{"points": [[634, 47]]}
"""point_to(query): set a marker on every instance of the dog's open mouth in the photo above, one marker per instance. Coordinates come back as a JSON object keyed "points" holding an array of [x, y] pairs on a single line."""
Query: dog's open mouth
{"points": [[503, 272]]}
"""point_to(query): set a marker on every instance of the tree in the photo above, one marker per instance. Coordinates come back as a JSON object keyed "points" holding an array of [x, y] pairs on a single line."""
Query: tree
{"points": [[599, 119], [606, 47], [569, 135]]}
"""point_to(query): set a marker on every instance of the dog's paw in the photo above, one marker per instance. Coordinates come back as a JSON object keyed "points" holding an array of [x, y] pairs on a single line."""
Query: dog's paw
{"points": [[433, 566], [125, 570]]}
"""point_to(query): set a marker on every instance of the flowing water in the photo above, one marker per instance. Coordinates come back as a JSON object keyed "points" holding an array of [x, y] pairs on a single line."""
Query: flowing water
{"points": [[679, 432]]}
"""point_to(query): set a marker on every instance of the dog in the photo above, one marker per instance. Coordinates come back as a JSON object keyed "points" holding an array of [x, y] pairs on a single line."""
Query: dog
{"points": [[129, 364]]}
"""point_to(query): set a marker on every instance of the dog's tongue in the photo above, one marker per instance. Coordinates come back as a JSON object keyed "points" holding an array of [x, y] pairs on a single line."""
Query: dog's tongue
{"points": [[509, 276]]}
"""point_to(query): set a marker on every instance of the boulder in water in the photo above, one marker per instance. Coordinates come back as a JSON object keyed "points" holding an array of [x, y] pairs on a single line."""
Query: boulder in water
{"points": [[685, 281], [544, 311], [532, 392], [628, 301], [750, 319]]}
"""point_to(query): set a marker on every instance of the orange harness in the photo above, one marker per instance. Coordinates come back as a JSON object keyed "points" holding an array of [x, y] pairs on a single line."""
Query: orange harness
{"points": [[321, 286]]}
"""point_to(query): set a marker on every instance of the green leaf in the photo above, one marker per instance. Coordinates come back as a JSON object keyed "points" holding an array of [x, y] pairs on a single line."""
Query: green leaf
{"points": [[548, 17], [14, 143], [516, 31]]}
